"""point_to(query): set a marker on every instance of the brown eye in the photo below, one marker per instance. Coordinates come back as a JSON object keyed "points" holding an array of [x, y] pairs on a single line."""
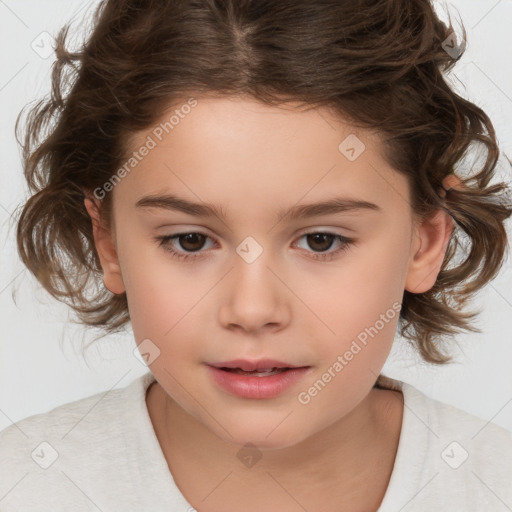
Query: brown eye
{"points": [[320, 241], [319, 245], [192, 241], [184, 245], [191, 245]]}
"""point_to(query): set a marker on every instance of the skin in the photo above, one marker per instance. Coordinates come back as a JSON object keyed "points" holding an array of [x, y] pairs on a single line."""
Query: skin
{"points": [[253, 160]]}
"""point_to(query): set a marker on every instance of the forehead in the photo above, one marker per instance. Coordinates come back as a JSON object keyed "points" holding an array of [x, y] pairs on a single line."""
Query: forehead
{"points": [[248, 123], [243, 146]]}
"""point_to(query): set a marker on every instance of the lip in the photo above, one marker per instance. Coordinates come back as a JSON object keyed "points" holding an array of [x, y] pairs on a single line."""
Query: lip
{"points": [[250, 366], [250, 386]]}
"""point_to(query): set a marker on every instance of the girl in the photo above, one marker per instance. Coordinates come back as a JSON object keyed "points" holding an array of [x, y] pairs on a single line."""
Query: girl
{"points": [[267, 190]]}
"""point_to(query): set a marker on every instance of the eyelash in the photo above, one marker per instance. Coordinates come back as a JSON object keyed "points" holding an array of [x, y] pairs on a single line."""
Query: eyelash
{"points": [[164, 242]]}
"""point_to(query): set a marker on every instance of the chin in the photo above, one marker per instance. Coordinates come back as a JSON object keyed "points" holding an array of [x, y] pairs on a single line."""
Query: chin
{"points": [[263, 439]]}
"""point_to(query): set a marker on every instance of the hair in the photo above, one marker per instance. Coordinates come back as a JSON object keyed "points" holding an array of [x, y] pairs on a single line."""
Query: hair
{"points": [[379, 64]]}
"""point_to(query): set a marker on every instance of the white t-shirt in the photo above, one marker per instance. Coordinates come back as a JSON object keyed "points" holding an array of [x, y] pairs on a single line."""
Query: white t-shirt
{"points": [[101, 453]]}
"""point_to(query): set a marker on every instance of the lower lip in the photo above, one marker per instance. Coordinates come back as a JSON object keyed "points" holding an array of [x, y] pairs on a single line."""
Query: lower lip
{"points": [[249, 386]]}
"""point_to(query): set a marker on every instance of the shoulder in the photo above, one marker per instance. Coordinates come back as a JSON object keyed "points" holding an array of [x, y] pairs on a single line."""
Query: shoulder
{"points": [[40, 452], [450, 422], [62, 419], [92, 415], [448, 458], [443, 420]]}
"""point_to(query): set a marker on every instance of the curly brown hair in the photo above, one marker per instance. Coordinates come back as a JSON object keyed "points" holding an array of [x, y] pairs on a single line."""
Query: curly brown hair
{"points": [[380, 64]]}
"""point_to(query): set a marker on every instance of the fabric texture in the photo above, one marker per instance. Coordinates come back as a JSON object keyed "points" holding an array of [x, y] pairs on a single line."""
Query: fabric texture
{"points": [[101, 453]]}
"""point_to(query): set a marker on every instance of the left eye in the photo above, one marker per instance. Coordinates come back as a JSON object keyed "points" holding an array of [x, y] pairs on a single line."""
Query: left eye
{"points": [[193, 242], [320, 241], [324, 241]]}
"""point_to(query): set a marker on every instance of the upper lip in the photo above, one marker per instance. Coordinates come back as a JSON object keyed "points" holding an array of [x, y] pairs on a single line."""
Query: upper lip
{"points": [[249, 366]]}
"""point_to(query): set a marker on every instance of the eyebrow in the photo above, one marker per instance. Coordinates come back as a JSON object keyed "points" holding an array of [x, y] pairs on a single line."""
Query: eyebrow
{"points": [[335, 205]]}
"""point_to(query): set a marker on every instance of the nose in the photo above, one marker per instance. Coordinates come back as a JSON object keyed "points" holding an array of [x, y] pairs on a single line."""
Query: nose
{"points": [[254, 297]]}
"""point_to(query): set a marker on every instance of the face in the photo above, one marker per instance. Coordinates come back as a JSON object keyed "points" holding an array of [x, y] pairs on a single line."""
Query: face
{"points": [[320, 290]]}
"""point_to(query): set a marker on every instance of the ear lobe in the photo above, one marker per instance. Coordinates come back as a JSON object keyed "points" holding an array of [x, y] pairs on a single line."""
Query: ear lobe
{"points": [[105, 247], [431, 241]]}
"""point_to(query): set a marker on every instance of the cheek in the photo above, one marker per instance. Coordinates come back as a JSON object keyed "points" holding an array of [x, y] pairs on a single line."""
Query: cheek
{"points": [[361, 306], [368, 283], [161, 294]]}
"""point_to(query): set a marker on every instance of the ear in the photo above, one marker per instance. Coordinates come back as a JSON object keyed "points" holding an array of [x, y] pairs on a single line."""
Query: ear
{"points": [[105, 246], [431, 239]]}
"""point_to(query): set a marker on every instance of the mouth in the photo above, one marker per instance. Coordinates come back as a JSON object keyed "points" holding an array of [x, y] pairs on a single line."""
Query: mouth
{"points": [[257, 379], [261, 367], [257, 373]]}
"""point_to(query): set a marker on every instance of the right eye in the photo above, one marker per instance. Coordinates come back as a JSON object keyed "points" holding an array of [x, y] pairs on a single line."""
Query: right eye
{"points": [[190, 241]]}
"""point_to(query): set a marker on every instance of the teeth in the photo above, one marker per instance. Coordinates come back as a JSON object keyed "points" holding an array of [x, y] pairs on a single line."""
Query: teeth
{"points": [[257, 373]]}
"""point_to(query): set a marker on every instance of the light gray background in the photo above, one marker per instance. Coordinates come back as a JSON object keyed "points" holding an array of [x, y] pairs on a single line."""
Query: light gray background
{"points": [[40, 361]]}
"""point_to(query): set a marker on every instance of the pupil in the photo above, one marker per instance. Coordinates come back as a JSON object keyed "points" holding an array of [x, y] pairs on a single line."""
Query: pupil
{"points": [[192, 238], [317, 238]]}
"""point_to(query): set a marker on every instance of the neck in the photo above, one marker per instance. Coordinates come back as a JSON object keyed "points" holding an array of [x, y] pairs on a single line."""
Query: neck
{"points": [[334, 466]]}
